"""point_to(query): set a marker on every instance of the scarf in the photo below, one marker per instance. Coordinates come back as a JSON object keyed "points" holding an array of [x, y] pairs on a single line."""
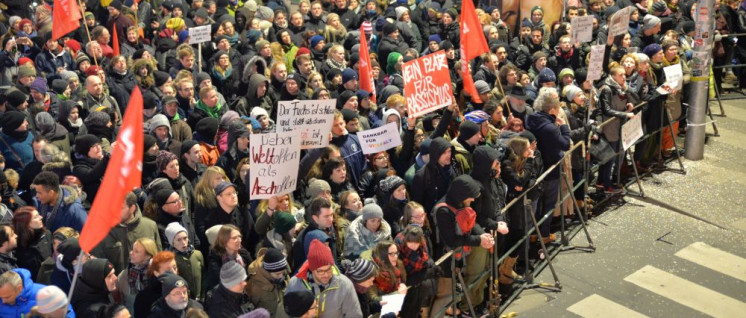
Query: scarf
{"points": [[351, 215], [565, 55], [333, 64], [387, 280], [212, 112], [77, 123], [227, 258], [18, 135], [221, 74], [414, 260], [136, 277]]}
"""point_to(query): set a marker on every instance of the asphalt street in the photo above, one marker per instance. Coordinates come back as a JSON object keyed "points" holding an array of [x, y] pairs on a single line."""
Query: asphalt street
{"points": [[677, 252]]}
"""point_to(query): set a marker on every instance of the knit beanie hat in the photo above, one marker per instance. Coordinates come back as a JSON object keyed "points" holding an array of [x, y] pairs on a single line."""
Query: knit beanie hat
{"points": [[39, 84], [80, 57], [434, 38], [149, 141], [69, 249], [348, 74], [160, 78], [59, 86], [169, 281], [172, 229], [11, 120], [44, 122], [468, 129], [163, 159], [156, 185], [400, 11], [231, 274], [390, 183], [537, 55], [319, 255], [315, 40], [566, 71], [208, 127], [528, 135], [274, 261], [344, 97], [49, 299], [482, 87], [16, 98], [317, 234], [97, 119], [652, 49], [84, 143], [116, 4], [212, 233], [358, 271], [349, 114], [25, 71], [283, 222], [389, 28], [257, 112], [161, 196], [318, 186], [187, 145], [571, 91], [297, 303], [477, 116], [372, 211], [650, 21]]}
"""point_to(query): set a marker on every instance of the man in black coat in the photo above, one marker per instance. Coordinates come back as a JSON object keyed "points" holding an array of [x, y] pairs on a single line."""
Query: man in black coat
{"points": [[228, 299]]}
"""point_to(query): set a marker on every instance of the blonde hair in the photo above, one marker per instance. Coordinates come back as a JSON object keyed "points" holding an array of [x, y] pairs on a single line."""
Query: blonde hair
{"points": [[204, 193], [148, 244]]}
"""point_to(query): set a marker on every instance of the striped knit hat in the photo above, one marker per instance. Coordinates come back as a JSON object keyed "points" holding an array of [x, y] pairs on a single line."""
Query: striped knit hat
{"points": [[358, 271], [274, 261]]}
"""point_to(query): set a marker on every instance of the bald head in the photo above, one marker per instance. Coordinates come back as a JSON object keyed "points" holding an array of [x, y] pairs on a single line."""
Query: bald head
{"points": [[94, 86]]}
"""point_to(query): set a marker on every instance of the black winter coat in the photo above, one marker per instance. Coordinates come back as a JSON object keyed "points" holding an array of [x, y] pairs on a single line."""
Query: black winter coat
{"points": [[90, 172], [387, 46], [492, 198], [162, 310], [38, 249], [223, 303]]}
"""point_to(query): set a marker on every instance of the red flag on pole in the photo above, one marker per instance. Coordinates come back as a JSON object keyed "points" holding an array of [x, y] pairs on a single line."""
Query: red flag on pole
{"points": [[65, 18], [473, 44], [115, 41], [366, 79], [123, 174]]}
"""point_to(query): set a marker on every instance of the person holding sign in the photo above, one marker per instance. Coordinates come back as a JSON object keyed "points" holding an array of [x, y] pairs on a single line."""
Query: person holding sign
{"points": [[614, 101], [673, 101]]}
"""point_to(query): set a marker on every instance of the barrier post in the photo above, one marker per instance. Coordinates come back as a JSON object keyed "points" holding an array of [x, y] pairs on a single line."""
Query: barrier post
{"points": [[696, 117]]}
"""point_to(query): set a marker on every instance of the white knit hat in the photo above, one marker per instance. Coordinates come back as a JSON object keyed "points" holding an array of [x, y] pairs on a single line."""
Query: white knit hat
{"points": [[49, 299]]}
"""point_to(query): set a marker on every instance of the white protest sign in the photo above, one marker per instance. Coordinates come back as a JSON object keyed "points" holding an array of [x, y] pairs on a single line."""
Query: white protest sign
{"points": [[379, 139], [595, 68], [275, 159], [199, 34], [312, 118], [674, 75], [632, 131], [393, 303], [620, 22], [427, 84], [582, 29]]}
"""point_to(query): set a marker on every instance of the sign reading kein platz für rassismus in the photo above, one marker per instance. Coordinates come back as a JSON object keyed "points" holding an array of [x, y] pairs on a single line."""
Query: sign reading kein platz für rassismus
{"points": [[427, 84]]}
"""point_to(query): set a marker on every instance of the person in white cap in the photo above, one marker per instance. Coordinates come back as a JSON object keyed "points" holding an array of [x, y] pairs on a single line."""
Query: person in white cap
{"points": [[51, 302]]}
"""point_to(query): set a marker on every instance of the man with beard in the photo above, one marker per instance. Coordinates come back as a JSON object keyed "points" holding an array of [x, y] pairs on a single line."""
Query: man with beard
{"points": [[160, 128], [175, 301]]}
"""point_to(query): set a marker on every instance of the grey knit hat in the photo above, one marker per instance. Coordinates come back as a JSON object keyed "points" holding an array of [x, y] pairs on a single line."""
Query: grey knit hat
{"points": [[318, 186], [172, 229], [372, 211], [232, 274]]}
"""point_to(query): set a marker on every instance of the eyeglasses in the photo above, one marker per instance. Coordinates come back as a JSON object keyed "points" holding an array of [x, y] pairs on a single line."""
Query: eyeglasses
{"points": [[394, 253], [320, 271], [382, 157], [173, 202]]}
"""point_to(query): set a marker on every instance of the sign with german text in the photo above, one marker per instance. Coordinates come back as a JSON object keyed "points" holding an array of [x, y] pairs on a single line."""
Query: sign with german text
{"points": [[275, 158], [199, 34], [427, 84], [311, 118], [380, 139]]}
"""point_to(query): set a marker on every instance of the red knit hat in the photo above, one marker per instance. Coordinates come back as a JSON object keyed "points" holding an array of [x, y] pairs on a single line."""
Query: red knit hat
{"points": [[73, 45], [25, 60], [93, 70], [319, 255], [303, 51]]}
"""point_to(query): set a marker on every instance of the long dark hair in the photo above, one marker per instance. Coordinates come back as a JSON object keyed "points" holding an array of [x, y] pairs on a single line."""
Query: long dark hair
{"points": [[22, 225]]}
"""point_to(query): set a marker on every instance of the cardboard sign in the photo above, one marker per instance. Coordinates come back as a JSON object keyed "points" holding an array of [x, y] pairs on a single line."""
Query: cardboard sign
{"points": [[199, 34], [427, 84], [311, 118], [674, 75], [275, 159], [582, 29], [596, 67], [380, 139], [620, 22], [632, 131]]}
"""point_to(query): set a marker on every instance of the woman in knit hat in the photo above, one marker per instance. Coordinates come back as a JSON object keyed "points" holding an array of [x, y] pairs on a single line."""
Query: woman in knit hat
{"points": [[15, 141], [366, 231], [267, 279], [189, 261], [393, 196], [282, 235]]}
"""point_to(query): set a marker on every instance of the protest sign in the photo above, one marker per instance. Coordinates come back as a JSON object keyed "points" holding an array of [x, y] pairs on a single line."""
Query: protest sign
{"points": [[582, 29], [275, 158], [427, 84], [620, 22], [674, 75], [595, 68], [379, 139], [632, 131], [311, 118], [199, 34]]}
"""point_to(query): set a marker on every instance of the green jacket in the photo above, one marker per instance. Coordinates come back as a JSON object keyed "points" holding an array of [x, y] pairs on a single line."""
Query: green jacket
{"points": [[191, 268], [462, 156], [117, 245]]}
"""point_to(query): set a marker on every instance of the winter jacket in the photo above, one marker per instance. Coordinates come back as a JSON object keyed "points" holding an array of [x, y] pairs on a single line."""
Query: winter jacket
{"points": [[17, 153], [613, 101], [240, 217], [91, 293], [336, 299], [492, 198], [7, 263], [223, 303], [387, 46], [183, 219], [39, 249], [191, 265], [70, 211], [147, 297], [552, 141], [352, 153], [116, 246], [215, 263], [359, 238], [91, 103], [90, 171], [26, 299], [48, 63], [264, 291], [161, 310], [462, 155], [431, 182]]}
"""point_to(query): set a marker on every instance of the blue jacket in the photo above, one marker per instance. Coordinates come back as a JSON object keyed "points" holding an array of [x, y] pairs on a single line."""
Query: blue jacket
{"points": [[27, 299], [552, 141], [48, 63], [70, 213], [21, 148], [352, 153]]}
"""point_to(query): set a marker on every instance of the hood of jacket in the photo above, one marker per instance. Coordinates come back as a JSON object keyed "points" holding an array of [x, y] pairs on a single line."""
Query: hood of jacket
{"points": [[461, 188], [483, 158], [394, 112], [248, 70], [437, 147], [157, 121], [254, 82], [28, 284]]}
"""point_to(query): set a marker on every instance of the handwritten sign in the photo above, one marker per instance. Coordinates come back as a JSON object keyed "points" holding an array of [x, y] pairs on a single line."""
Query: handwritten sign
{"points": [[427, 84], [199, 34], [674, 75], [311, 118], [275, 159], [582, 29], [632, 131], [595, 68], [379, 139], [620, 22]]}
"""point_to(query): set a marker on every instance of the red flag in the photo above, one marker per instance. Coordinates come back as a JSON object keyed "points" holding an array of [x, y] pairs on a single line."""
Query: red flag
{"points": [[123, 174], [473, 44], [65, 18], [366, 79], [115, 40]]}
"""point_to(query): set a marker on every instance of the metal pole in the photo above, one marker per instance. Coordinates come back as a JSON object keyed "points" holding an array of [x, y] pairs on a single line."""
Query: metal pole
{"points": [[696, 117]]}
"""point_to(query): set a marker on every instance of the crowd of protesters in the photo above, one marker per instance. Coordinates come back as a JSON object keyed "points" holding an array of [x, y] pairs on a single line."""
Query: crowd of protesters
{"points": [[191, 243]]}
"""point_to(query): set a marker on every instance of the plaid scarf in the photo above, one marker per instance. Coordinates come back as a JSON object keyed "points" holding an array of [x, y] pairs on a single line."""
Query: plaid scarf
{"points": [[414, 261], [388, 280], [136, 278]]}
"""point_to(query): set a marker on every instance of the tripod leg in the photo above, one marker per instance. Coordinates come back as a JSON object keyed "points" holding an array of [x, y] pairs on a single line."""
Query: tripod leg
{"points": [[460, 277], [577, 208], [637, 174], [544, 247]]}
